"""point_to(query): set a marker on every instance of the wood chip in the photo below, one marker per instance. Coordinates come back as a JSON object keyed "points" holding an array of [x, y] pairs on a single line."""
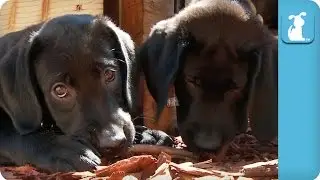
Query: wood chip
{"points": [[261, 169], [163, 158], [163, 172], [192, 170], [156, 150], [130, 177], [117, 175], [239, 163], [83, 174], [130, 165]]}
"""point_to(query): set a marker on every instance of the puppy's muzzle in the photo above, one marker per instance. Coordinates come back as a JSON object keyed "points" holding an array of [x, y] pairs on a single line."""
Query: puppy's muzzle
{"points": [[112, 141], [208, 140], [204, 139]]}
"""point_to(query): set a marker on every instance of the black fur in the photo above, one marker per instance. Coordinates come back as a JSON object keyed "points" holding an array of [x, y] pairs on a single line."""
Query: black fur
{"points": [[67, 89]]}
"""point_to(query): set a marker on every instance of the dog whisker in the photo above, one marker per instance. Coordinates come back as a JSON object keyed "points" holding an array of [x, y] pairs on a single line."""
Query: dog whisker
{"points": [[143, 117], [120, 60]]}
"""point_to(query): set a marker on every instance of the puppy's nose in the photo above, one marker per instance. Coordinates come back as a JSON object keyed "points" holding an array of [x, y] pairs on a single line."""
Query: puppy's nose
{"points": [[208, 140]]}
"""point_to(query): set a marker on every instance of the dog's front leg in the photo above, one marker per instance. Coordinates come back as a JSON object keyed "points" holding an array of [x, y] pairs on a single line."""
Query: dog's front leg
{"points": [[48, 151]]}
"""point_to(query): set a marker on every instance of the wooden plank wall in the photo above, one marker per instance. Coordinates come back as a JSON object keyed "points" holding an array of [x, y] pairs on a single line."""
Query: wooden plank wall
{"points": [[131, 18], [18, 14], [136, 18]]}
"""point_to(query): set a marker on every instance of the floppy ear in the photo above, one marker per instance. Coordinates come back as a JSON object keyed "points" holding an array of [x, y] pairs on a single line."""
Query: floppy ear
{"points": [[160, 55], [291, 17], [17, 82], [260, 18], [263, 94], [132, 76]]}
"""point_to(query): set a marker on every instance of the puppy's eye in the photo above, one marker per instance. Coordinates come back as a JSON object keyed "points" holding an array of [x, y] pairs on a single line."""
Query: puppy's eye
{"points": [[231, 85], [197, 81], [109, 74], [60, 90], [194, 80]]}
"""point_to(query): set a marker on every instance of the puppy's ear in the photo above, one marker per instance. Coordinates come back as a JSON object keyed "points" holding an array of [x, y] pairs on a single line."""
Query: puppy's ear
{"points": [[248, 5], [251, 9], [18, 85], [132, 65], [160, 55], [263, 93]]}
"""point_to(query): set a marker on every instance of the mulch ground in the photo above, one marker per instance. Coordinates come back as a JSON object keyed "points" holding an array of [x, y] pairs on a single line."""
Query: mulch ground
{"points": [[244, 159]]}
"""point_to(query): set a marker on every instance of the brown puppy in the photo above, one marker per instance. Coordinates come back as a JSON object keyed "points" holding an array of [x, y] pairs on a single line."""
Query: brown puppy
{"points": [[223, 63], [268, 9]]}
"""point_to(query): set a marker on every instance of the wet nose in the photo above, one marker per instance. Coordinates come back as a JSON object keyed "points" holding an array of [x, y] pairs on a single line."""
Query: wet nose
{"points": [[112, 139], [207, 139]]}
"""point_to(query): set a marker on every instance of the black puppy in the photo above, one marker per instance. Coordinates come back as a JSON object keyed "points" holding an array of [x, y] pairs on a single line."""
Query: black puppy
{"points": [[223, 63], [67, 87]]}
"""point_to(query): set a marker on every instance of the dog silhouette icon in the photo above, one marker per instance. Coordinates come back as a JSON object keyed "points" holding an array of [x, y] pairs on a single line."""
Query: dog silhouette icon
{"points": [[318, 177], [295, 31]]}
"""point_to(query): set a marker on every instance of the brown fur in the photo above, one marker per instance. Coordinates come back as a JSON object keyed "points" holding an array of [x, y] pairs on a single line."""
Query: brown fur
{"points": [[221, 58], [268, 9]]}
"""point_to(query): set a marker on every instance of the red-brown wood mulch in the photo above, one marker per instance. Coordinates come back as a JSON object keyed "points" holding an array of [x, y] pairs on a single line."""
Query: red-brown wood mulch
{"points": [[245, 158]]}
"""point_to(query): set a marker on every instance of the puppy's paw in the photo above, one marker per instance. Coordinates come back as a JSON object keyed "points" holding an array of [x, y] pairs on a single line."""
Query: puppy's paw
{"points": [[57, 154], [71, 155], [150, 136]]}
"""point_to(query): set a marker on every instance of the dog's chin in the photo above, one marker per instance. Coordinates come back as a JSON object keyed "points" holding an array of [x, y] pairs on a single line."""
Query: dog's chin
{"points": [[205, 154], [200, 150], [115, 152], [191, 146]]}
